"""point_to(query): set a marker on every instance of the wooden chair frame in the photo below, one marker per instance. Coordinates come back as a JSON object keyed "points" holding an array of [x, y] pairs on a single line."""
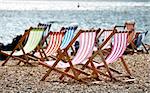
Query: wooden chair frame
{"points": [[22, 58], [61, 54], [108, 69]]}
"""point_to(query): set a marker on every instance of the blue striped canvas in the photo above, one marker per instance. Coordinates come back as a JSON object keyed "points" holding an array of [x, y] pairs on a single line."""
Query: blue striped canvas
{"points": [[67, 37]]}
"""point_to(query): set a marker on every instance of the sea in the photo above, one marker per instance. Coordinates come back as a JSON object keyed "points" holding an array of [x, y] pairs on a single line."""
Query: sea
{"points": [[18, 15]]}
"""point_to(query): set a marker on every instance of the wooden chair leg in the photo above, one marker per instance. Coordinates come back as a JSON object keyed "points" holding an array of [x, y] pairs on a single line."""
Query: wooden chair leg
{"points": [[9, 56], [105, 64], [85, 65], [19, 62], [112, 69], [45, 55], [25, 55], [38, 49], [101, 73], [125, 65], [49, 71], [46, 75], [54, 65], [61, 72], [19, 44], [71, 65], [60, 55], [145, 48], [66, 70], [6, 60], [75, 71], [133, 46], [94, 69]]}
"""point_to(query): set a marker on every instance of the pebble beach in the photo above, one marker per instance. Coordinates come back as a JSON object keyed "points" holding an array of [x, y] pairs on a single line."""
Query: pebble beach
{"points": [[26, 79], [17, 15]]}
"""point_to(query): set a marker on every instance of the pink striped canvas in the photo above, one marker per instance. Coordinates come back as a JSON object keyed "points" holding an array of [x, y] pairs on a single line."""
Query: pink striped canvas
{"points": [[120, 44], [55, 39], [86, 43]]}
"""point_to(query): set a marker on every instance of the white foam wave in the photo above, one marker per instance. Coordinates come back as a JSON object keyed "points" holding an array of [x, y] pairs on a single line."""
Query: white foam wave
{"points": [[66, 5]]}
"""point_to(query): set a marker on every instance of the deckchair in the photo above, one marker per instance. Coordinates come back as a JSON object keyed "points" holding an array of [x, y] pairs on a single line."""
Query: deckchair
{"points": [[34, 37], [107, 40], [119, 46], [106, 33], [68, 37], [44, 41], [46, 32], [139, 40], [47, 26], [86, 39], [55, 39], [58, 41], [129, 26], [135, 38]]}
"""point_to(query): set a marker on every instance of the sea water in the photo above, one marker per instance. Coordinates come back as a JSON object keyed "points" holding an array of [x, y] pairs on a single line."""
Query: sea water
{"points": [[16, 16]]}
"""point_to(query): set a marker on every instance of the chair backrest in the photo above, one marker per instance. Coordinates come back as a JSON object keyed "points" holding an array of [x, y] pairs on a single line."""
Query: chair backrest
{"points": [[70, 32], [47, 26], [34, 39], [140, 38], [86, 42], [119, 46], [130, 27], [55, 39], [106, 35], [54, 43]]}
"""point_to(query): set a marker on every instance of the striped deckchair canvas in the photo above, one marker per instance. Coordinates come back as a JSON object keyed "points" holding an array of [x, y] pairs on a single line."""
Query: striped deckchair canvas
{"points": [[53, 45], [68, 37], [34, 38], [119, 46], [47, 26], [140, 39], [130, 27], [46, 32], [86, 39], [57, 41]]}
